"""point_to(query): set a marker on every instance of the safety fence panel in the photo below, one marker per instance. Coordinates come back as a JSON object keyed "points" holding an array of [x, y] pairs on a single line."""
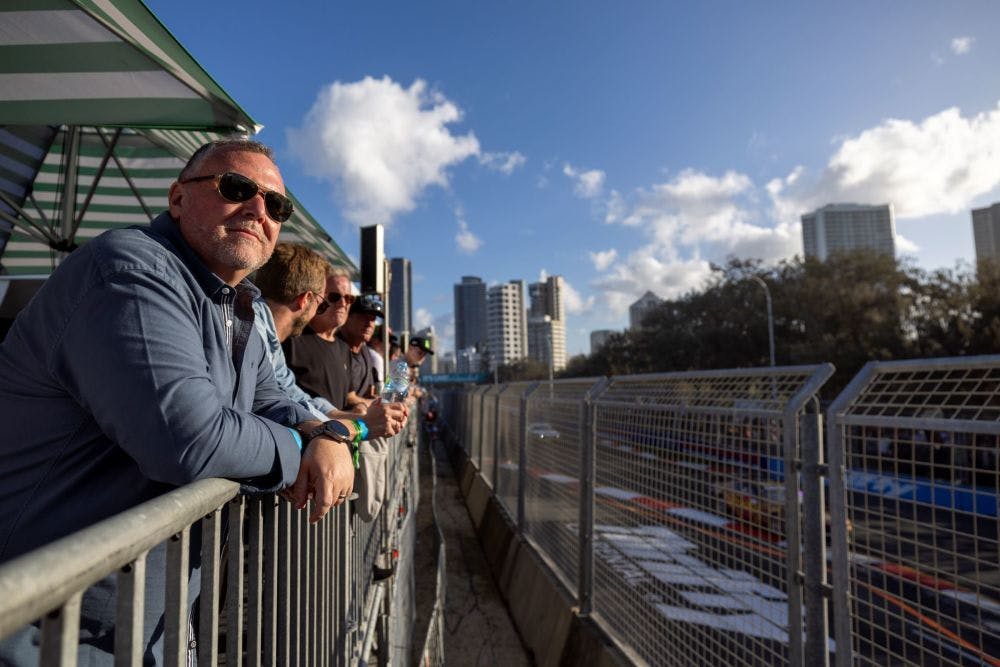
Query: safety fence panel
{"points": [[488, 432], [693, 515], [474, 428], [511, 428], [271, 587], [553, 451], [917, 568]]}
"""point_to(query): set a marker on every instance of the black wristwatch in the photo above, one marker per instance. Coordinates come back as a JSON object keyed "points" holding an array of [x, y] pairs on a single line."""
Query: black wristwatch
{"points": [[333, 428]]}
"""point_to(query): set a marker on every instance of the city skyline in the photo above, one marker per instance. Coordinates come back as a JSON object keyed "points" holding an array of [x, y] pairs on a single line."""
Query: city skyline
{"points": [[623, 148]]}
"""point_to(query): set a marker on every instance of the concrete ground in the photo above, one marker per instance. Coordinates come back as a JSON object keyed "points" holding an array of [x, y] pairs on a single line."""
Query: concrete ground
{"points": [[478, 629]]}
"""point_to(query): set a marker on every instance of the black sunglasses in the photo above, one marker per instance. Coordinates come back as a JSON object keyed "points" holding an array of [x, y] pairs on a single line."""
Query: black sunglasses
{"points": [[238, 188], [332, 298]]}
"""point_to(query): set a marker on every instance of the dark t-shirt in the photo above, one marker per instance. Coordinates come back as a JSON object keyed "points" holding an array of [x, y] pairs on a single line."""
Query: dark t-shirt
{"points": [[361, 371], [321, 367]]}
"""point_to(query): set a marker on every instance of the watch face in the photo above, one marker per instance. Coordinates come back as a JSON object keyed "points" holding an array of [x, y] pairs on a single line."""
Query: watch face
{"points": [[335, 428]]}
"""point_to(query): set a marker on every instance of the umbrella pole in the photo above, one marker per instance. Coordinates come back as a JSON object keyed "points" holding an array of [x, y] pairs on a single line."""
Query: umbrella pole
{"points": [[70, 184]]}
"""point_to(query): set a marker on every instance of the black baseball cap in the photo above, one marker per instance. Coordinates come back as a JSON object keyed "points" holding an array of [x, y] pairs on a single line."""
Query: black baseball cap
{"points": [[368, 304], [423, 343]]}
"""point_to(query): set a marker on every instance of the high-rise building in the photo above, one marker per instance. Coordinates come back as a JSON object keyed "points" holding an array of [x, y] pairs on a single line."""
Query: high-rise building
{"points": [[470, 314], [400, 296], [546, 337], [598, 338], [640, 308], [986, 232], [506, 323], [547, 322], [842, 227]]}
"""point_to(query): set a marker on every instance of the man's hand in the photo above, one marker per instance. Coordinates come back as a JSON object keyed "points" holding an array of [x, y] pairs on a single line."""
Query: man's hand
{"points": [[326, 475], [385, 419]]}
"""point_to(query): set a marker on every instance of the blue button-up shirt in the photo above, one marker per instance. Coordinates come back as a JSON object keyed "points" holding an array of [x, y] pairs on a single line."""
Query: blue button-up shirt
{"points": [[283, 375], [133, 370]]}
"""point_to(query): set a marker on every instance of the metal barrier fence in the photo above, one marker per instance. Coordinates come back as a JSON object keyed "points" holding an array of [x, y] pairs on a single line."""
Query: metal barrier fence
{"points": [[641, 493], [688, 512], [295, 593], [919, 441]]}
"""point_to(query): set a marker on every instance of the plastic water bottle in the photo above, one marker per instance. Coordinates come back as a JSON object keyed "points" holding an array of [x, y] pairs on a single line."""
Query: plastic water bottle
{"points": [[397, 383]]}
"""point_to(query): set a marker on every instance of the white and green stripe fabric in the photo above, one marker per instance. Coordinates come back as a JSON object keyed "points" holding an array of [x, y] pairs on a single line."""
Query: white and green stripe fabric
{"points": [[102, 67], [103, 62]]}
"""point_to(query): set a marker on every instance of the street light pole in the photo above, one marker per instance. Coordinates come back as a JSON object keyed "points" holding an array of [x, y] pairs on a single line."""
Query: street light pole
{"points": [[770, 316]]}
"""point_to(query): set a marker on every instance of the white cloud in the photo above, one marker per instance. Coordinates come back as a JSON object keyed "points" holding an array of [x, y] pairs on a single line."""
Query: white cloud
{"points": [[422, 319], [588, 184], [466, 241], [380, 144], [602, 259], [905, 246], [937, 165], [647, 269], [962, 45], [695, 209], [687, 222], [503, 162], [573, 302]]}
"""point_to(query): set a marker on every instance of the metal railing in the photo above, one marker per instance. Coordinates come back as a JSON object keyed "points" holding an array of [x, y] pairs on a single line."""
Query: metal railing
{"points": [[294, 593]]}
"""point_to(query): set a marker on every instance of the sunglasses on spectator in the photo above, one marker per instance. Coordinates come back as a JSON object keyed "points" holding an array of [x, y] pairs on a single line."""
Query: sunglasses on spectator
{"points": [[334, 298], [237, 188]]}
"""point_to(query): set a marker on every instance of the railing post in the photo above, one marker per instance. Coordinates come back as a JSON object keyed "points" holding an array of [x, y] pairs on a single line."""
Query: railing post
{"points": [[839, 554], [130, 612], [522, 459], [793, 549], [814, 540], [234, 586], [60, 633], [255, 566], [175, 632], [588, 453], [496, 440], [482, 428]]}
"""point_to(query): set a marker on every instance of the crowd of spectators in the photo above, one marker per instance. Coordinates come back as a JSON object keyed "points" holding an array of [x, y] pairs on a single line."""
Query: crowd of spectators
{"points": [[195, 347]]}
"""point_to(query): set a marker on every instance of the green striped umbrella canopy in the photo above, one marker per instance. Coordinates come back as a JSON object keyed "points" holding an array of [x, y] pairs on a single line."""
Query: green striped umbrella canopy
{"points": [[100, 107]]}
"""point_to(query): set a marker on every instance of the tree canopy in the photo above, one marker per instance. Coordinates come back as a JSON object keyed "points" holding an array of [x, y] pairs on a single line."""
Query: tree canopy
{"points": [[850, 309]]}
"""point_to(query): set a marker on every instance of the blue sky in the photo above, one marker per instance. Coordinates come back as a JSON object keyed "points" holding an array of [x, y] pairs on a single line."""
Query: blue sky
{"points": [[622, 145]]}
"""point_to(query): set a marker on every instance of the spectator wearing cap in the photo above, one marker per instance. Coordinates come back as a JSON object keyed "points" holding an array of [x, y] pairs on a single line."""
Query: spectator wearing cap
{"points": [[292, 285], [356, 333], [321, 361], [394, 350], [418, 350]]}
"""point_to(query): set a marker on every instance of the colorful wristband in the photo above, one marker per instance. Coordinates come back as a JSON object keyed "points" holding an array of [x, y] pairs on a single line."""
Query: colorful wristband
{"points": [[297, 437]]}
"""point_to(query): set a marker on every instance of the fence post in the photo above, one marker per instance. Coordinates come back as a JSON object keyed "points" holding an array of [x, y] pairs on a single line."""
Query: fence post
{"points": [[496, 441], [814, 539], [482, 428], [522, 459], [588, 452], [839, 555]]}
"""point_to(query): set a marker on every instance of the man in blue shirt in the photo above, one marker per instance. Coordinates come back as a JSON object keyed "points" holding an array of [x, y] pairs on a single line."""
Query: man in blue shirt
{"points": [[136, 369]]}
